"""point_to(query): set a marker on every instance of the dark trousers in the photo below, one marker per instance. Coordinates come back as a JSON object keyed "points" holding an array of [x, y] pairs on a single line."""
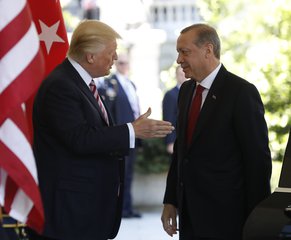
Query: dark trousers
{"points": [[3, 235], [32, 235], [186, 231], [128, 177]]}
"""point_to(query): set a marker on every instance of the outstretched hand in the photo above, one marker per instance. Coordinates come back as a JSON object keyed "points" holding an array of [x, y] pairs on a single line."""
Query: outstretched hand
{"points": [[145, 127]]}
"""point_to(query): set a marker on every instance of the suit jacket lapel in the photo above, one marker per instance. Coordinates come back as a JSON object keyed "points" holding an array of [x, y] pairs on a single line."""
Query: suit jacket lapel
{"points": [[85, 89], [184, 105], [212, 99]]}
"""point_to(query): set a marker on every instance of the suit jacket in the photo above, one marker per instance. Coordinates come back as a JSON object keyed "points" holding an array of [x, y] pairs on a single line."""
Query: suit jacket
{"points": [[79, 159], [226, 171], [170, 111]]}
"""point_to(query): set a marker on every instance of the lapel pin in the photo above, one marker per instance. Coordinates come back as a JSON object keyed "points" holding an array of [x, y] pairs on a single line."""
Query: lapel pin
{"points": [[214, 97]]}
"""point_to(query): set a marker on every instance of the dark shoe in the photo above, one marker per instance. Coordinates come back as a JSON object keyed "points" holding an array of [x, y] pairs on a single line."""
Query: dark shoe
{"points": [[135, 215], [131, 215]]}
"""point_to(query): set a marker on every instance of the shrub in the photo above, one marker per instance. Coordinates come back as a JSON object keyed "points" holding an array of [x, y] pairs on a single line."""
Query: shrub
{"points": [[152, 157]]}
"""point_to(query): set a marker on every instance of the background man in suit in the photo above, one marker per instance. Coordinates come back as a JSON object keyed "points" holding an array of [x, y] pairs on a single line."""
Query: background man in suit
{"points": [[223, 171], [120, 96], [170, 109], [79, 151]]}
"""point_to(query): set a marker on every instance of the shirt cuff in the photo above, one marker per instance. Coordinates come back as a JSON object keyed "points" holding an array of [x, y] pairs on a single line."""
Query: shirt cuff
{"points": [[131, 136]]}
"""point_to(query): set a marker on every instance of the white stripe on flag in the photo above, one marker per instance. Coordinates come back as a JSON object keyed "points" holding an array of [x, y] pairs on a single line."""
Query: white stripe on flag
{"points": [[21, 206], [15, 140], [14, 62], [3, 176], [12, 9]]}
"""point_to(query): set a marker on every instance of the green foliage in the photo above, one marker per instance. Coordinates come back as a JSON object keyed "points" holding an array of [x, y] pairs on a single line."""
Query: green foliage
{"points": [[256, 44], [153, 157]]}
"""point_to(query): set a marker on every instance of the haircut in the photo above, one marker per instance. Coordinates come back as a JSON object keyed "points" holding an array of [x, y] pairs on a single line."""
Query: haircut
{"points": [[90, 36], [205, 34]]}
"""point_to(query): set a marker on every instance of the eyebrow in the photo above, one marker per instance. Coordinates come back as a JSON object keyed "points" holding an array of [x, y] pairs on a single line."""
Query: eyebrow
{"points": [[183, 49]]}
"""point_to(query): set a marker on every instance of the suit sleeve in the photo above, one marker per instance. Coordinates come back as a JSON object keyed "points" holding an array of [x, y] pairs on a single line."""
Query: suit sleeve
{"points": [[171, 191], [68, 114], [252, 133]]}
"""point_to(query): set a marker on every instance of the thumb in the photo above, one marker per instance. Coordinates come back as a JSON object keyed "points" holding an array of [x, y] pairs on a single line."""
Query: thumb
{"points": [[147, 113]]}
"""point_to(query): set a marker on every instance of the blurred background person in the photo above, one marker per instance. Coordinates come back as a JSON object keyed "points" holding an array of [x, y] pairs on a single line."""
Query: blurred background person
{"points": [[91, 10], [169, 106], [120, 96]]}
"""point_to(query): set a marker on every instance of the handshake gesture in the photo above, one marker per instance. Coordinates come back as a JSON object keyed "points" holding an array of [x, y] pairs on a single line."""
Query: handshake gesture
{"points": [[145, 127]]}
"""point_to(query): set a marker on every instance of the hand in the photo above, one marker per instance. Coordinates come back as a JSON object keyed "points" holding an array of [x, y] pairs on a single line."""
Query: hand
{"points": [[145, 127], [169, 219]]}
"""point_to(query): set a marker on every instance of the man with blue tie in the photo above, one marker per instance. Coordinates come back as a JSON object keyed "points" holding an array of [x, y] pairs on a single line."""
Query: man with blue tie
{"points": [[170, 108], [120, 96]]}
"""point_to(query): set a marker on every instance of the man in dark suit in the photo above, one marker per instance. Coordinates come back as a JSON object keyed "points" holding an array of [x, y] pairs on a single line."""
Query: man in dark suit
{"points": [[120, 96], [79, 151], [169, 106], [223, 171]]}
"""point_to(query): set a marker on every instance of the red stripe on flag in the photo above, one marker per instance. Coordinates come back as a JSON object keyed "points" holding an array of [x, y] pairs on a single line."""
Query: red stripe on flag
{"points": [[22, 87], [14, 32], [10, 191]]}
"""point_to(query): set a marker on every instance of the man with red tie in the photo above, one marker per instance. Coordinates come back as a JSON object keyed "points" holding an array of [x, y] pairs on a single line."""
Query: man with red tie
{"points": [[221, 165], [79, 151]]}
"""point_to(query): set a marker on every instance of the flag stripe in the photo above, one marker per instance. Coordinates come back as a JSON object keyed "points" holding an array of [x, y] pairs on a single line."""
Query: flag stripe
{"points": [[3, 177], [25, 85], [15, 140], [35, 218], [22, 19], [19, 208], [11, 9], [9, 195], [10, 163], [13, 63]]}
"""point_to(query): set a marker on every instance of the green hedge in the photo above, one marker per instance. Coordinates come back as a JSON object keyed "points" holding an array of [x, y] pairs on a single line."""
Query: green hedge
{"points": [[152, 157]]}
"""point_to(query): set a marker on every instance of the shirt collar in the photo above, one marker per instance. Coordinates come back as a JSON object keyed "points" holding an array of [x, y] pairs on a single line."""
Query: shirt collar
{"points": [[122, 79], [207, 82], [83, 73]]}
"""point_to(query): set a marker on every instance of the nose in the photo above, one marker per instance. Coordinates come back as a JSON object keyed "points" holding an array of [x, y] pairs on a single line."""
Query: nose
{"points": [[179, 59], [115, 57]]}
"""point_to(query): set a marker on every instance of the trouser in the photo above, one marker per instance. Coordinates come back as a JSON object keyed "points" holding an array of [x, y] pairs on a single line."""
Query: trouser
{"points": [[32, 235], [129, 170]]}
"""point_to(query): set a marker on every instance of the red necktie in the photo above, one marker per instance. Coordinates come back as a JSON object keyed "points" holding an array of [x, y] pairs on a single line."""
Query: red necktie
{"points": [[97, 96], [194, 112]]}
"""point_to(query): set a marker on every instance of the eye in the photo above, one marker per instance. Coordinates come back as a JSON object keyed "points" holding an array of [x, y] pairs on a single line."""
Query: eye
{"points": [[185, 52]]}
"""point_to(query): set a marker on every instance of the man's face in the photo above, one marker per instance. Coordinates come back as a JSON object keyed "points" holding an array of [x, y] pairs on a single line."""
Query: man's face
{"points": [[104, 60], [190, 56]]}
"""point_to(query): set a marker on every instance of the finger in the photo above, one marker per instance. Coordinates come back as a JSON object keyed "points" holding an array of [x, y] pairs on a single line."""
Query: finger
{"points": [[147, 113]]}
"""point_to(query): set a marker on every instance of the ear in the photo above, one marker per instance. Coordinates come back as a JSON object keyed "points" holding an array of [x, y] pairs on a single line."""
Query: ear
{"points": [[90, 58], [208, 50]]}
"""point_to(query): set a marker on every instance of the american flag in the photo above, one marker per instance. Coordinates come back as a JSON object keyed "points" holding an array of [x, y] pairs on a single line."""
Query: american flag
{"points": [[21, 71], [33, 41]]}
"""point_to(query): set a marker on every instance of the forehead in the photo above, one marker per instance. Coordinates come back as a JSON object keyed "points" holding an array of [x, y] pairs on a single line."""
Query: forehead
{"points": [[185, 40], [110, 46]]}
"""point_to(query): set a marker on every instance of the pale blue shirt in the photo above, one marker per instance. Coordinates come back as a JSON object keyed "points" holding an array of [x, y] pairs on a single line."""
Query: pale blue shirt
{"points": [[87, 79]]}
